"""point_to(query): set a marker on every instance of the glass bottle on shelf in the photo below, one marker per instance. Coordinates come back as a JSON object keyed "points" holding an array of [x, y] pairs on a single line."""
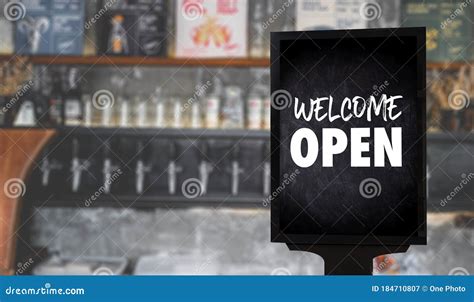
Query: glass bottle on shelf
{"points": [[213, 102], [87, 109], [254, 108], [257, 45], [177, 118], [158, 117], [141, 107], [107, 113], [267, 106], [233, 108], [123, 112]]}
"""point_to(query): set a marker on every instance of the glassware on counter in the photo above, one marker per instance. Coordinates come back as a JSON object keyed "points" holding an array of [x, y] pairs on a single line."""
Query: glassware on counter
{"points": [[87, 108]]}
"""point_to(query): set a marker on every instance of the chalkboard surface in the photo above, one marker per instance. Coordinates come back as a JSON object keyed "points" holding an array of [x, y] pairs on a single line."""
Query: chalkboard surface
{"points": [[348, 200]]}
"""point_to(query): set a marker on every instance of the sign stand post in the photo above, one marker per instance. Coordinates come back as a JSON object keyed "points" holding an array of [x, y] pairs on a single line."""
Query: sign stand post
{"points": [[348, 259]]}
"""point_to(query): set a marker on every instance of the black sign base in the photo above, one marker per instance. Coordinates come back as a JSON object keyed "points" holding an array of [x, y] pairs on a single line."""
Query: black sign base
{"points": [[349, 259]]}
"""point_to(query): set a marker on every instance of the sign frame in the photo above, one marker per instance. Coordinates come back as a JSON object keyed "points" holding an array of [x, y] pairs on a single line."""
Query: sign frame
{"points": [[278, 235]]}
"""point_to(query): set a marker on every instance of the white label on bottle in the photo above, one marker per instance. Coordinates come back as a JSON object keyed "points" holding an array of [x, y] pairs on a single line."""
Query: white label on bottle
{"points": [[177, 115], [195, 116], [254, 106], [212, 112], [159, 122], [124, 114], [266, 113], [141, 114], [87, 114]]}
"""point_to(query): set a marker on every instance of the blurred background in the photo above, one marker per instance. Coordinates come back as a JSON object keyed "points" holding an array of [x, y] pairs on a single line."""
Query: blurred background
{"points": [[161, 162]]}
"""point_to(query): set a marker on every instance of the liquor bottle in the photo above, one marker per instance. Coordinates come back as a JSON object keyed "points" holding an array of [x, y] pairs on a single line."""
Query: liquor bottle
{"points": [[177, 119], [213, 102], [140, 111], [106, 116], [254, 109], [233, 111], [257, 45], [159, 110], [87, 109], [123, 113], [72, 103], [267, 106]]}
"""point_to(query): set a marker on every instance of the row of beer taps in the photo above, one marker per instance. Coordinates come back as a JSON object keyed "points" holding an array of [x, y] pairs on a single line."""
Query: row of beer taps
{"points": [[205, 168]]}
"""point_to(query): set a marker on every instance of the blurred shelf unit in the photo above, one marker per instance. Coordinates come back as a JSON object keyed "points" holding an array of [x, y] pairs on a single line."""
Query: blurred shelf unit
{"points": [[143, 61], [158, 61], [187, 133]]}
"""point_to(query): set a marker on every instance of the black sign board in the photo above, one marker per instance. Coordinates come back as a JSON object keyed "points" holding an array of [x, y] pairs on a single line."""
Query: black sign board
{"points": [[348, 137]]}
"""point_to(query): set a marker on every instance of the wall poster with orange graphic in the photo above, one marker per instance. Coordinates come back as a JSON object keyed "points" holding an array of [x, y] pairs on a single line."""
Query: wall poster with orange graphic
{"points": [[211, 28]]}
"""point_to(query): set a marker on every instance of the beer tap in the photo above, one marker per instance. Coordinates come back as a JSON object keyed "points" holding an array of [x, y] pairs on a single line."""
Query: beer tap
{"points": [[173, 170], [205, 169], [140, 170], [108, 169], [77, 166], [266, 171], [235, 172], [46, 168]]}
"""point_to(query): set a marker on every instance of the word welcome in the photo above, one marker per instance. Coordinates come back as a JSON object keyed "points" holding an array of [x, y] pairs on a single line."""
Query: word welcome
{"points": [[335, 141]]}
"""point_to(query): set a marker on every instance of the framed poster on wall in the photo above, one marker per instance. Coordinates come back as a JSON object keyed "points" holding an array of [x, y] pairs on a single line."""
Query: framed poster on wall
{"points": [[348, 137]]}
